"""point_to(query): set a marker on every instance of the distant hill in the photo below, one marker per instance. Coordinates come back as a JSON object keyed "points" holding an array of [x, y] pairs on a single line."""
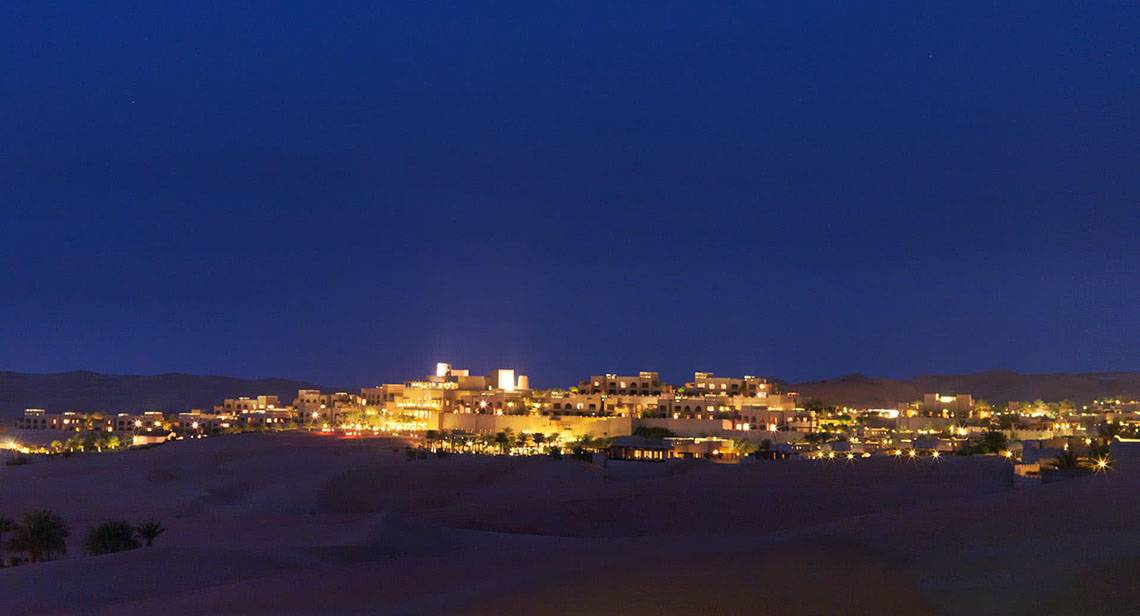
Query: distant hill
{"points": [[995, 386], [92, 391]]}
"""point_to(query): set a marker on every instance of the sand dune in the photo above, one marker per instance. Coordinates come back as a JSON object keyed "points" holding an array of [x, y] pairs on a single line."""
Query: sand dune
{"points": [[307, 524]]}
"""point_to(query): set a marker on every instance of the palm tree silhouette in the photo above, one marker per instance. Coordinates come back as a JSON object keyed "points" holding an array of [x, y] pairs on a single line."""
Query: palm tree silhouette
{"points": [[40, 535], [6, 526], [150, 530], [1067, 460]]}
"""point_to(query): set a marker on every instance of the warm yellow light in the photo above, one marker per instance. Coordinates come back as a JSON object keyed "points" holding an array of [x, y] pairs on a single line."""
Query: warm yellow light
{"points": [[912, 453], [1007, 453], [935, 454], [1102, 464]]}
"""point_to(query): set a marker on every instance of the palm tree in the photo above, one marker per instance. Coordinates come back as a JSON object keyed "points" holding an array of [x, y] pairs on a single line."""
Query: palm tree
{"points": [[994, 442], [6, 526], [743, 447], [110, 537], [150, 530], [503, 440], [40, 535], [1066, 461]]}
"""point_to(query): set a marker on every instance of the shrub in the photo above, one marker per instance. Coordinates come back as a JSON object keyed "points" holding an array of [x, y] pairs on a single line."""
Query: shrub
{"points": [[150, 530], [653, 432], [110, 537], [17, 460], [40, 535]]}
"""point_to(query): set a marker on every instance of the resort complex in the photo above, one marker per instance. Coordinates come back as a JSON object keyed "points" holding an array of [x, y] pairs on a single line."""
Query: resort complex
{"points": [[628, 417]]}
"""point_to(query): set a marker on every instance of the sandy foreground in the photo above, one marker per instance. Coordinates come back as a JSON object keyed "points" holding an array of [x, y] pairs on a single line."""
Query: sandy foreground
{"points": [[299, 523]]}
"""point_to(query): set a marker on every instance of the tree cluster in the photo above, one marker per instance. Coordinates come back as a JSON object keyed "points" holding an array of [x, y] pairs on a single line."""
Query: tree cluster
{"points": [[42, 535]]}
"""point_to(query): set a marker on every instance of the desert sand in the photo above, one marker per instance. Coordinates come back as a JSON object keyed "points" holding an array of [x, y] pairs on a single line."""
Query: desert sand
{"points": [[300, 523]]}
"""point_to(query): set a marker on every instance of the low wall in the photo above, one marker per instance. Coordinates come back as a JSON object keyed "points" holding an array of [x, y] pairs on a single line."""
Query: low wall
{"points": [[721, 428], [924, 423], [1125, 457], [567, 425], [576, 425]]}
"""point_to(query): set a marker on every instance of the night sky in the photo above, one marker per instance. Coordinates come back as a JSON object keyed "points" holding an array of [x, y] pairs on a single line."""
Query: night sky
{"points": [[348, 194]]}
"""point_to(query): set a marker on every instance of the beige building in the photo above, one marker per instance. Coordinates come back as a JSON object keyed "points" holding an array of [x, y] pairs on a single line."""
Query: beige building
{"points": [[433, 401], [39, 419], [748, 386], [242, 404], [958, 406], [643, 384]]}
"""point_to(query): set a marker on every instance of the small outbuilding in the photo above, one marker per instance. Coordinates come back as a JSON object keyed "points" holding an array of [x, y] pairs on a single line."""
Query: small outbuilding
{"points": [[641, 448]]}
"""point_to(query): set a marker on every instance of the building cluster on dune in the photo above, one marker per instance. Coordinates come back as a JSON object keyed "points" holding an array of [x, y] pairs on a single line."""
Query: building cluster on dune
{"points": [[309, 520], [641, 417]]}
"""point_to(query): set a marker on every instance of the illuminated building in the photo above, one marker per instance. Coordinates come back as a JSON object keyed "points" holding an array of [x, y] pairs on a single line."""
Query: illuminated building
{"points": [[707, 382], [955, 406], [644, 384]]}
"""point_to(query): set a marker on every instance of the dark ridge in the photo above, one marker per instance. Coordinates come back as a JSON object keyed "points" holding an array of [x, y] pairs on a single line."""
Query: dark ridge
{"points": [[992, 385], [83, 390]]}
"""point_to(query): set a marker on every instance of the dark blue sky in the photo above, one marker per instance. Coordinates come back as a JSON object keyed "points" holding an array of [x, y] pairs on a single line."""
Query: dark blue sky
{"points": [[349, 193]]}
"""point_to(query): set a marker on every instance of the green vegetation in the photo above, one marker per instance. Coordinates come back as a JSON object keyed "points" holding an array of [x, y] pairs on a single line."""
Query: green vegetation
{"points": [[6, 526], [110, 537], [40, 535], [743, 447], [652, 432], [1068, 460], [17, 460], [993, 442], [149, 531]]}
